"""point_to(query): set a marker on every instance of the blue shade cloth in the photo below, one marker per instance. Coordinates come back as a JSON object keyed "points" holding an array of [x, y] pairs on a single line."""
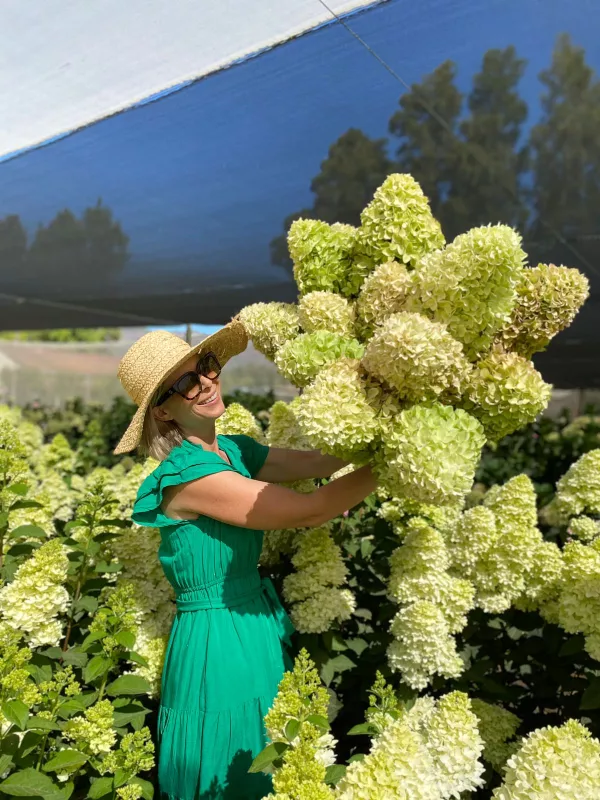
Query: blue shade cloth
{"points": [[201, 181]]}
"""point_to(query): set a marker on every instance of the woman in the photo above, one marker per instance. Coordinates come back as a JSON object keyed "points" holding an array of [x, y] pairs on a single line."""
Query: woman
{"points": [[212, 496]]}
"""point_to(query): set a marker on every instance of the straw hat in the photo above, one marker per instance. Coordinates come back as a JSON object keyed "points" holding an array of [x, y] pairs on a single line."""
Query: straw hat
{"points": [[151, 359]]}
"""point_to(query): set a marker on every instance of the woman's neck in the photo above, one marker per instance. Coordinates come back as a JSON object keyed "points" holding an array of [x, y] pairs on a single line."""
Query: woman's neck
{"points": [[207, 439]]}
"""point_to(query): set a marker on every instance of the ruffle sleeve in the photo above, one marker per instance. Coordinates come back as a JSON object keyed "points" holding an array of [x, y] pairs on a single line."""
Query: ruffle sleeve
{"points": [[180, 467], [254, 454]]}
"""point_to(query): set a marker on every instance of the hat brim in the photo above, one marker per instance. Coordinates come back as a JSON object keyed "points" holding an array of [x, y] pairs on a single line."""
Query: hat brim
{"points": [[229, 341]]}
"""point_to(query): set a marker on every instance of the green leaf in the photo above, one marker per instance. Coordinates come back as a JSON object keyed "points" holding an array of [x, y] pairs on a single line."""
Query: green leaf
{"points": [[126, 639], [71, 706], [16, 712], [95, 636], [75, 657], [75, 523], [97, 666], [267, 756], [319, 721], [357, 757], [363, 728], [87, 603], [41, 724], [28, 530], [5, 762], [29, 782], [65, 760], [128, 684], [104, 566], [115, 523], [147, 787], [591, 696], [100, 787], [137, 658], [123, 718], [121, 777], [573, 646], [25, 504], [9, 744], [291, 729], [20, 488], [3, 519], [333, 773], [29, 742]]}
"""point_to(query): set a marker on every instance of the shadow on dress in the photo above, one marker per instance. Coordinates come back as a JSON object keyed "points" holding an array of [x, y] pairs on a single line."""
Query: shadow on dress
{"points": [[239, 783]]}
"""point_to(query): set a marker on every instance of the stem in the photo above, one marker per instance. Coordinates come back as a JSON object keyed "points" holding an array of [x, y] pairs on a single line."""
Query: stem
{"points": [[80, 579]]}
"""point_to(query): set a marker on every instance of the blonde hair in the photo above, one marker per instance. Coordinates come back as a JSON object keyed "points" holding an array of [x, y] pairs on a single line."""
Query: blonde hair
{"points": [[158, 437]]}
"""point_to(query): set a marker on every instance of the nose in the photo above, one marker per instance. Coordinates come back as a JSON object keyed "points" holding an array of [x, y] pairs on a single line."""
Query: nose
{"points": [[205, 382]]}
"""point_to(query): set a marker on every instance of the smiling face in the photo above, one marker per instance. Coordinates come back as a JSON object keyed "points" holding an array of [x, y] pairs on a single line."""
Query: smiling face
{"points": [[196, 415]]}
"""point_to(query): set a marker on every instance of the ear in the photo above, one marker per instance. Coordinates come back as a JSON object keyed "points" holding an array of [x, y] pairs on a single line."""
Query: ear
{"points": [[162, 414]]}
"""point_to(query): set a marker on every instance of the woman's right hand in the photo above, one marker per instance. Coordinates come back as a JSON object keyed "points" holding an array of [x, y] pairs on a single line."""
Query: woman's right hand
{"points": [[231, 498]]}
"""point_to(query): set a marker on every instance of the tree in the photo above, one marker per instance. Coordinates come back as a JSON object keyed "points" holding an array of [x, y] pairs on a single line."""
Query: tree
{"points": [[429, 150], [355, 166], [86, 250], [566, 154], [489, 182]]}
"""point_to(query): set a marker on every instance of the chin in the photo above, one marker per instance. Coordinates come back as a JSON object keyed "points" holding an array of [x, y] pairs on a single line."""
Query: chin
{"points": [[212, 411]]}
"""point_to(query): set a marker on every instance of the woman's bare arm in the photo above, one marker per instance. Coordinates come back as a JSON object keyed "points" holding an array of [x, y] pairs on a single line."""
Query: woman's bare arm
{"points": [[283, 465], [231, 498]]}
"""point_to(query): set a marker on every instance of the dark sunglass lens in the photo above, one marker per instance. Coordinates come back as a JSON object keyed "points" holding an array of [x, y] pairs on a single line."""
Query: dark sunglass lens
{"points": [[211, 367], [188, 385]]}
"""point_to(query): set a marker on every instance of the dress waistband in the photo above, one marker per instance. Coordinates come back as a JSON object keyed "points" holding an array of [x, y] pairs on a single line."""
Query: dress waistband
{"points": [[235, 592]]}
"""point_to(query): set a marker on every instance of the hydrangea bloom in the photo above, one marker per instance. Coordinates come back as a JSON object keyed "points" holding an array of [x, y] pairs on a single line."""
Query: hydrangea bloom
{"points": [[326, 311], [334, 411], [496, 725], [423, 646], [270, 325], [579, 601], [430, 454], [36, 595], [238, 419], [398, 223], [284, 428], [452, 738], [301, 359], [398, 765], [382, 294], [505, 392], [319, 612], [93, 732], [578, 490], [555, 764], [470, 538], [322, 255], [471, 285], [319, 563], [417, 357], [548, 298], [584, 528]]}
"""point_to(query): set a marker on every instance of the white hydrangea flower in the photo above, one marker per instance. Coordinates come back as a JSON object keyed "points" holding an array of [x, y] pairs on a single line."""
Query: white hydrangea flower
{"points": [[238, 420], [36, 596], [423, 646], [270, 325], [554, 764], [382, 294], [318, 613]]}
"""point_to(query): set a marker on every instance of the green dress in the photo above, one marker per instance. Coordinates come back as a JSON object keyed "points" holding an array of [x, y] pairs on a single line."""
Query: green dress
{"points": [[228, 647]]}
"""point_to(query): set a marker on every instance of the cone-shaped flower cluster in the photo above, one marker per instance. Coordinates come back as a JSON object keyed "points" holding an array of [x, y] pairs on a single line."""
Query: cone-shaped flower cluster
{"points": [[238, 420], [442, 336]]}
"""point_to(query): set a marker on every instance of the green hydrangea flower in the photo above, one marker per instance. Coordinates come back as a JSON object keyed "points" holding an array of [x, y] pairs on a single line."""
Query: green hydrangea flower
{"points": [[417, 357], [430, 454], [383, 293], [496, 725], [326, 311], [398, 225], [238, 420], [322, 254], [335, 414], [471, 285], [548, 299], [301, 359], [505, 392], [270, 325], [284, 428], [578, 490], [584, 528]]}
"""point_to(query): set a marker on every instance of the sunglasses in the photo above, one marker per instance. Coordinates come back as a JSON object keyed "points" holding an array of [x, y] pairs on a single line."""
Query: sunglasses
{"points": [[189, 384]]}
